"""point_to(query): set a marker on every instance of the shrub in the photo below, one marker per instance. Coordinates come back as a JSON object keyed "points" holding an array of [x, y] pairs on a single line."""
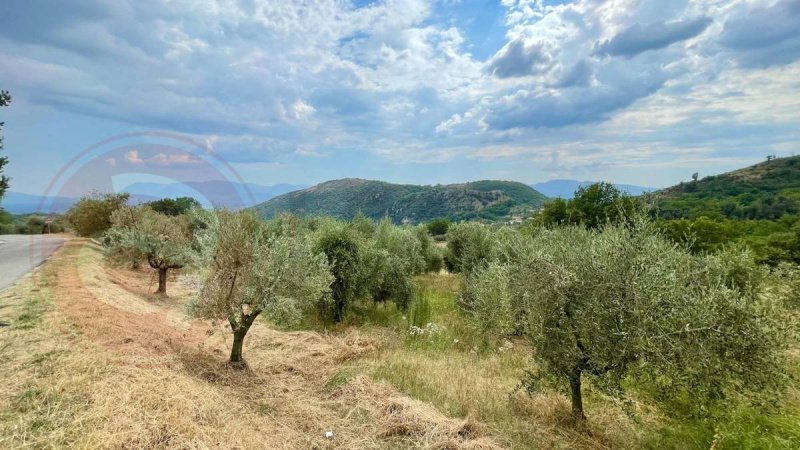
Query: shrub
{"points": [[486, 297], [91, 215], [469, 246], [438, 227]]}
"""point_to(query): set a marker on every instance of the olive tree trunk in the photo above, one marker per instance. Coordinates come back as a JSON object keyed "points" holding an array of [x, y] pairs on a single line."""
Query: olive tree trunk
{"points": [[238, 342], [240, 330], [162, 281], [577, 397]]}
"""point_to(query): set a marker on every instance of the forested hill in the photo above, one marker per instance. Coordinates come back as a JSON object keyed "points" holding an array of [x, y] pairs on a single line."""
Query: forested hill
{"points": [[487, 200], [769, 190]]}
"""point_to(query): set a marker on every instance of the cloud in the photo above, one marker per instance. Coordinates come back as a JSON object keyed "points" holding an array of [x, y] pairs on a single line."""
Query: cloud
{"points": [[637, 39], [527, 109], [764, 36], [518, 59], [171, 159], [281, 81]]}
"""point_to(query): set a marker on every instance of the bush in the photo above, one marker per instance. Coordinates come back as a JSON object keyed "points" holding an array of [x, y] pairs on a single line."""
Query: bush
{"points": [[434, 259], [91, 215], [469, 247], [438, 227], [486, 297], [345, 258]]}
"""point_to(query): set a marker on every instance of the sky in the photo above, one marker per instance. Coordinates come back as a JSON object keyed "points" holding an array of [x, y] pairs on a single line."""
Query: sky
{"points": [[643, 92]]}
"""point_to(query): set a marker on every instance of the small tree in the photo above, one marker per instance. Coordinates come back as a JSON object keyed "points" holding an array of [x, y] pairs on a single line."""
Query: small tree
{"points": [[601, 203], [91, 215], [164, 241], [626, 307], [5, 100], [469, 246], [438, 227], [174, 207], [630, 310], [345, 257], [253, 270], [554, 213]]}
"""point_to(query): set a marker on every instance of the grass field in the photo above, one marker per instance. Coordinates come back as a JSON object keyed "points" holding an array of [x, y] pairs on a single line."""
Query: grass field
{"points": [[90, 359]]}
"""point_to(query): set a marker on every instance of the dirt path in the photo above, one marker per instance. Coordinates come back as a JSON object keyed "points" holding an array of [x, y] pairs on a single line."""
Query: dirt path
{"points": [[160, 380]]}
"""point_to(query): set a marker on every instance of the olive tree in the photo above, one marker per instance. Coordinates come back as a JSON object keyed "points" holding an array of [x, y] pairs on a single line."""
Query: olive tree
{"points": [[164, 241], [469, 246], [345, 255], [628, 309], [255, 268]]}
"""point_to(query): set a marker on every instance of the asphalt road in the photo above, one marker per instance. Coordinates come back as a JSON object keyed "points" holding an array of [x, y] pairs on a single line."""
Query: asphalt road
{"points": [[19, 254]]}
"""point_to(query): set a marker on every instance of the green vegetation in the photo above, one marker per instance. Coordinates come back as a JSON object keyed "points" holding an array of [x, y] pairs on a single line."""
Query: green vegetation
{"points": [[374, 261], [174, 207], [593, 326], [139, 232], [91, 215], [469, 244], [757, 207], [765, 191], [5, 100], [483, 200], [439, 227], [253, 268], [592, 206], [30, 223]]}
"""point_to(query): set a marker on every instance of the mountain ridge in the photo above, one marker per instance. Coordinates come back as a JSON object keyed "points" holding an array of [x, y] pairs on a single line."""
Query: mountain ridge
{"points": [[485, 199], [565, 188]]}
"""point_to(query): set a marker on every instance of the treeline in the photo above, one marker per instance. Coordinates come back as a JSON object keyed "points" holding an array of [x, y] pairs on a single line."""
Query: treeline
{"points": [[30, 223], [772, 241]]}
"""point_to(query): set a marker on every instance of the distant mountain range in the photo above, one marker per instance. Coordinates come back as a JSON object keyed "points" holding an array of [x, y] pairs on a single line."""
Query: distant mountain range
{"points": [[217, 193], [566, 188], [488, 200]]}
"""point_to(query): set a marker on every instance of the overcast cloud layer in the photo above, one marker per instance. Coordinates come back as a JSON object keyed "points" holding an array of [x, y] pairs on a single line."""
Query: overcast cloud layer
{"points": [[638, 91]]}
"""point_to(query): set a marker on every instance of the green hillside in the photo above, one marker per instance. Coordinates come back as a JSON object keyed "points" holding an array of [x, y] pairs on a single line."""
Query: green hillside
{"points": [[484, 200], [757, 206], [765, 191]]}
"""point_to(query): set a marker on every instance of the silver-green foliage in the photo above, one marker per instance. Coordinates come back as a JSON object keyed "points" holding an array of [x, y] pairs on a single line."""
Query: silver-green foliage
{"points": [[486, 297], [254, 268], [469, 247], [625, 307], [139, 232]]}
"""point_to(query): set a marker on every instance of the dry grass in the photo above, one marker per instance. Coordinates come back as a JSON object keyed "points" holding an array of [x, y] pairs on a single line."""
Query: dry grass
{"points": [[484, 387], [91, 360]]}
